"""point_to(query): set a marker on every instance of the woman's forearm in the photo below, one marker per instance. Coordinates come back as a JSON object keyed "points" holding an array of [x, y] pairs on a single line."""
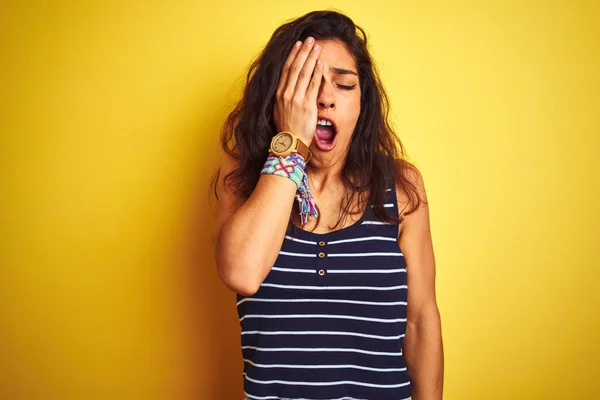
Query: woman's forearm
{"points": [[424, 355], [250, 240]]}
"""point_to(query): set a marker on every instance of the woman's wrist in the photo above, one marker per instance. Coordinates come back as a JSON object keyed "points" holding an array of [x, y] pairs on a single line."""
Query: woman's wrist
{"points": [[293, 167]]}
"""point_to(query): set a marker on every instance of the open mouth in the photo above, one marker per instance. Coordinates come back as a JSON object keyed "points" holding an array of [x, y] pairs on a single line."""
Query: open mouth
{"points": [[325, 134]]}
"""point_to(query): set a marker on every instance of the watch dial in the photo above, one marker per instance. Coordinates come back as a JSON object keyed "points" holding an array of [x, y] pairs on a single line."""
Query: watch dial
{"points": [[282, 143]]}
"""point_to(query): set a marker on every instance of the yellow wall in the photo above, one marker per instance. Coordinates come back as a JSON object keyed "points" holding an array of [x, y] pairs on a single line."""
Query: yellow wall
{"points": [[109, 121]]}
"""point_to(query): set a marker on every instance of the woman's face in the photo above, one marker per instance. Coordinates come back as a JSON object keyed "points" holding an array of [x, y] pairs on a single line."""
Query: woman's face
{"points": [[338, 101]]}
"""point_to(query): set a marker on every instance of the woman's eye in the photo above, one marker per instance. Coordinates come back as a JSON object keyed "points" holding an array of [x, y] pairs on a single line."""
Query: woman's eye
{"points": [[346, 87]]}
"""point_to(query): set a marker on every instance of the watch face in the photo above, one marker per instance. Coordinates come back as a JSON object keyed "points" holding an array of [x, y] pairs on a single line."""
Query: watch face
{"points": [[282, 143]]}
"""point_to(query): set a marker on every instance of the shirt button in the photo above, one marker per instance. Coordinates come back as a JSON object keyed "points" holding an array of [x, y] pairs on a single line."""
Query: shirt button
{"points": [[321, 272], [321, 255], [322, 243]]}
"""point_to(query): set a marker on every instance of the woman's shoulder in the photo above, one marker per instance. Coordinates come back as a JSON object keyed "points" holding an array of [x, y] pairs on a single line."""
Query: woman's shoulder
{"points": [[407, 169], [410, 186]]}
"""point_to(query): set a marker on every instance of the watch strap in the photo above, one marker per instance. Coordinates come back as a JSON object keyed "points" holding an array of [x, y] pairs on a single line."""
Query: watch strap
{"points": [[303, 150]]}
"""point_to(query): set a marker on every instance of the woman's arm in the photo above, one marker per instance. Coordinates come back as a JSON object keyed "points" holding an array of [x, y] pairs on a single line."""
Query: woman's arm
{"points": [[249, 234], [422, 349]]}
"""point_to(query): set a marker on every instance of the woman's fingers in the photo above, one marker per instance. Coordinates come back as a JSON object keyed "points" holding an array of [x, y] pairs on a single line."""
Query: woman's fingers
{"points": [[296, 67], [286, 67], [293, 111], [305, 74], [314, 84]]}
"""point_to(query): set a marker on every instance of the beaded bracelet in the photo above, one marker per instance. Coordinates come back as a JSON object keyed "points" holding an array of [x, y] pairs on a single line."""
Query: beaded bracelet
{"points": [[294, 167]]}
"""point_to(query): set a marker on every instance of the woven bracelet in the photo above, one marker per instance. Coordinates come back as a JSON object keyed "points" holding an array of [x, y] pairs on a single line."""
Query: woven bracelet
{"points": [[293, 167]]}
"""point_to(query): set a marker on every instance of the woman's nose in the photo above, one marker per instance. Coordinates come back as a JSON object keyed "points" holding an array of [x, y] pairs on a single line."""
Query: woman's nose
{"points": [[325, 98]]}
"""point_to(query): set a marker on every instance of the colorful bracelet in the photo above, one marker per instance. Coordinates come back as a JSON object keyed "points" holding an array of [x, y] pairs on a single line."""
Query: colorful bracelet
{"points": [[294, 167]]}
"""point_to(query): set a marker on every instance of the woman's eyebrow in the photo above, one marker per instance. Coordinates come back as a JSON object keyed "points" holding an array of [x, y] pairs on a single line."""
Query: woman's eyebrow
{"points": [[342, 71]]}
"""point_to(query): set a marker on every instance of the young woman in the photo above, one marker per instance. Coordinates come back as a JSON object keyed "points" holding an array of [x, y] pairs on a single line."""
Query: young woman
{"points": [[323, 227]]}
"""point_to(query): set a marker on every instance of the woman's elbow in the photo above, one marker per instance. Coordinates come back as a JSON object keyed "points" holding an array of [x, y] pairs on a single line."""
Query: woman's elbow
{"points": [[233, 276], [240, 287], [424, 318]]}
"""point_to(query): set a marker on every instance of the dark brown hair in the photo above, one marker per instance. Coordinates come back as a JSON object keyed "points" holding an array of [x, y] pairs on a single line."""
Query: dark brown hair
{"points": [[375, 154]]}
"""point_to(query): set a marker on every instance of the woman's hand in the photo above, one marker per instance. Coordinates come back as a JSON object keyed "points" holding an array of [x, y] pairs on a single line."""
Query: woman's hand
{"points": [[295, 107]]}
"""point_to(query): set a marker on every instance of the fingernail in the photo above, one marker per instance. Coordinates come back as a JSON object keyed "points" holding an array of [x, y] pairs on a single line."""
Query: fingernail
{"points": [[316, 47], [310, 40], [298, 43]]}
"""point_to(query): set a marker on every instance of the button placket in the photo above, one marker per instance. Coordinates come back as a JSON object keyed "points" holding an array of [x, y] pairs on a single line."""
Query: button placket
{"points": [[321, 270]]}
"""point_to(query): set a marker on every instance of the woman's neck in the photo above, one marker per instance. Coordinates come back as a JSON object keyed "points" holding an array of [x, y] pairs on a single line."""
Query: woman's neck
{"points": [[326, 178]]}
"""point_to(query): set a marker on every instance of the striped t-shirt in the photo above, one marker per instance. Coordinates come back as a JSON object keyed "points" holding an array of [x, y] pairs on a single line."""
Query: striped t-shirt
{"points": [[328, 321]]}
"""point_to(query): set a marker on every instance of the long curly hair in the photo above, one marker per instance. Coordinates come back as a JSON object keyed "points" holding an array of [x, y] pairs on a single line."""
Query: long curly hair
{"points": [[375, 154]]}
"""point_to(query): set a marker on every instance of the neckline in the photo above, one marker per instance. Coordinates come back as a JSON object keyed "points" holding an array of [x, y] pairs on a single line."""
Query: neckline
{"points": [[356, 223]]}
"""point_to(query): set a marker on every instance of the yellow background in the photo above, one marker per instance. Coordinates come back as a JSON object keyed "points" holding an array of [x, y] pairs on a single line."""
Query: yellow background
{"points": [[109, 118]]}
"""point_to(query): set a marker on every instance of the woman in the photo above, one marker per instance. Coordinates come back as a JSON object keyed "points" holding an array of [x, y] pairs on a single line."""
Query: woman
{"points": [[323, 227]]}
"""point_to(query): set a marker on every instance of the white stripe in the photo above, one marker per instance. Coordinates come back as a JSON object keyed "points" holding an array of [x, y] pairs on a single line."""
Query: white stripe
{"points": [[313, 349], [252, 397], [326, 366], [341, 271], [375, 223], [388, 190], [300, 240], [309, 271], [287, 253], [365, 335], [365, 271], [385, 205], [365, 254], [334, 287], [326, 383], [369, 303], [363, 239], [328, 316]]}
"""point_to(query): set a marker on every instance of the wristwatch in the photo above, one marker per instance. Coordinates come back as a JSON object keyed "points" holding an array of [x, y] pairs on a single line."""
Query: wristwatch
{"points": [[285, 143]]}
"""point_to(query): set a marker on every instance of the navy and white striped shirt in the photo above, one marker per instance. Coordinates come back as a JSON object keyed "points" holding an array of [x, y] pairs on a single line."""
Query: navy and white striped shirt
{"points": [[328, 321]]}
